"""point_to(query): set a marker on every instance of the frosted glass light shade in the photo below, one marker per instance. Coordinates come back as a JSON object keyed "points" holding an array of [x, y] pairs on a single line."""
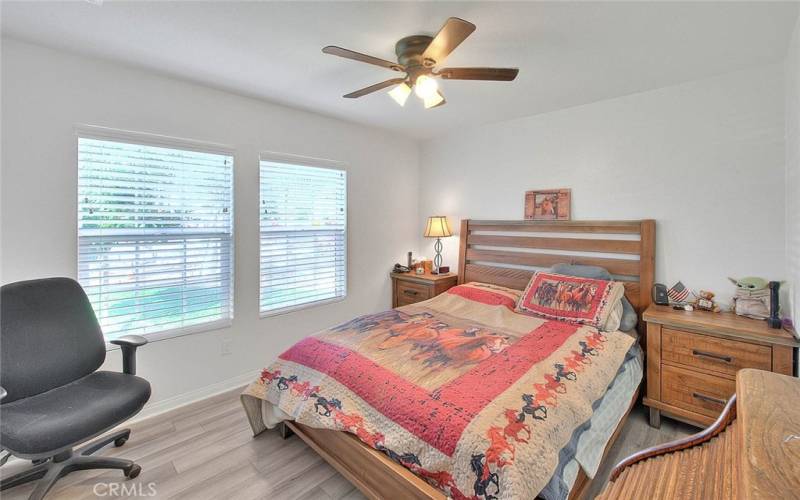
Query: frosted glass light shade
{"points": [[425, 87], [400, 93], [434, 100]]}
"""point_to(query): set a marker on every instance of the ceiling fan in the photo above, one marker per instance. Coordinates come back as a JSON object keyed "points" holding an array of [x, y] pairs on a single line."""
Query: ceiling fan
{"points": [[417, 57]]}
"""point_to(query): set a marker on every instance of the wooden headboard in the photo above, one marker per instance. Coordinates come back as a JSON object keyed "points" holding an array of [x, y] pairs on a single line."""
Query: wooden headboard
{"points": [[507, 252]]}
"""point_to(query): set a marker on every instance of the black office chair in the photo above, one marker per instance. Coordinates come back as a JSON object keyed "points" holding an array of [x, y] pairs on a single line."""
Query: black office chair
{"points": [[53, 399]]}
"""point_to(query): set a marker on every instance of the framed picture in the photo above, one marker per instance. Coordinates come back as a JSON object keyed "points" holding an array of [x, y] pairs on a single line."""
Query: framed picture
{"points": [[548, 204]]}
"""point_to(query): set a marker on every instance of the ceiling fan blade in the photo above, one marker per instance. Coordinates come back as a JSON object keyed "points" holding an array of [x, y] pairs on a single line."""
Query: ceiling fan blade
{"points": [[357, 56], [453, 32], [374, 88], [496, 74]]}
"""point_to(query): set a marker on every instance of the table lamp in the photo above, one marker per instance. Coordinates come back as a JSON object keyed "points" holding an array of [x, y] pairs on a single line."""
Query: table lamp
{"points": [[437, 228]]}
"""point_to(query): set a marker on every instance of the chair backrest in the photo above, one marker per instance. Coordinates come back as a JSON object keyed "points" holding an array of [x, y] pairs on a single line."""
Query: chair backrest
{"points": [[49, 336]]}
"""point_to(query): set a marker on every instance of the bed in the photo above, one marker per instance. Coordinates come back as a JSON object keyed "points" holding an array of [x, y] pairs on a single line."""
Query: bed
{"points": [[496, 261]]}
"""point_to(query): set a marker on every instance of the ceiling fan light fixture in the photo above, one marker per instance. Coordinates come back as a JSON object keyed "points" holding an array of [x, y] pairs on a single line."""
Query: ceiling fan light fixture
{"points": [[400, 93], [434, 100], [419, 57], [425, 87]]}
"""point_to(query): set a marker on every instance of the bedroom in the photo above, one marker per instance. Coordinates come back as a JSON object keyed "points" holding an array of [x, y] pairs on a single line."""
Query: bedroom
{"points": [[684, 114]]}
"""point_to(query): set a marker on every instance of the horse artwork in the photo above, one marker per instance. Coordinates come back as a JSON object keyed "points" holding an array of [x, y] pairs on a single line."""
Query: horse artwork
{"points": [[550, 204], [438, 344], [532, 408], [485, 478], [324, 406], [304, 390], [515, 426], [405, 458], [586, 301], [565, 296], [283, 382]]}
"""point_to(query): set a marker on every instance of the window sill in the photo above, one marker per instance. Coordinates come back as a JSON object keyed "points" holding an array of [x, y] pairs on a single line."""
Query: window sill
{"points": [[178, 332], [291, 309]]}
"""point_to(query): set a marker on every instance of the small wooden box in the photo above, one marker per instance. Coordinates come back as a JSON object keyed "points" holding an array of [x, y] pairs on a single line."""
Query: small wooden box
{"points": [[693, 358], [410, 288]]}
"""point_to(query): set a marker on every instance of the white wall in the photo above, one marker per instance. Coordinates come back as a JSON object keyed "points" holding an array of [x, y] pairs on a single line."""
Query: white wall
{"points": [[705, 159], [793, 173], [46, 92]]}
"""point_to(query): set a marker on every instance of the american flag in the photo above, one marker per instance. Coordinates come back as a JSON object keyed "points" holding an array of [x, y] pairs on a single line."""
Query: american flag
{"points": [[678, 292]]}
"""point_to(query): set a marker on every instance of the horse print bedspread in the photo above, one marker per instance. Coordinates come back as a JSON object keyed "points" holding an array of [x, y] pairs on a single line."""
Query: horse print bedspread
{"points": [[466, 393]]}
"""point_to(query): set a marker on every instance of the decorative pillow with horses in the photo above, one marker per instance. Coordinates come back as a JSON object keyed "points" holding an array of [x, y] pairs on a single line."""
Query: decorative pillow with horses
{"points": [[469, 395], [569, 298]]}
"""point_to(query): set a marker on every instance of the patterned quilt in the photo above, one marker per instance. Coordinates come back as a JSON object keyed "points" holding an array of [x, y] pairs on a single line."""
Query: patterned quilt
{"points": [[469, 395]]}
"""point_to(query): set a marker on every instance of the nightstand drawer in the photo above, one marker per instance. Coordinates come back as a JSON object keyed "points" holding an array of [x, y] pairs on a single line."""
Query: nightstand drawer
{"points": [[711, 353], [410, 293], [694, 391]]}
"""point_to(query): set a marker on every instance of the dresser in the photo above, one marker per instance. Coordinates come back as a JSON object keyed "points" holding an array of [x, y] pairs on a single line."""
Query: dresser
{"points": [[693, 358], [409, 288], [751, 452]]}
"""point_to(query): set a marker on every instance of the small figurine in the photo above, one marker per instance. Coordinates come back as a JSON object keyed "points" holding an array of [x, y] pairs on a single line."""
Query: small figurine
{"points": [[704, 300]]}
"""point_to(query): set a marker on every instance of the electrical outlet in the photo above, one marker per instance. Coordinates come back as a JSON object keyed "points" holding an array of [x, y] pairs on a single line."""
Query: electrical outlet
{"points": [[227, 347]]}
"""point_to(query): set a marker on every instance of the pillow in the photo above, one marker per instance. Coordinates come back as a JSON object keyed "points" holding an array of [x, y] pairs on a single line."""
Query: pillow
{"points": [[629, 317], [570, 298], [614, 318]]}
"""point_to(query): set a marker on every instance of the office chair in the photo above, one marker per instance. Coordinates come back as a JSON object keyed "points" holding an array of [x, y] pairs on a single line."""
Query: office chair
{"points": [[52, 396]]}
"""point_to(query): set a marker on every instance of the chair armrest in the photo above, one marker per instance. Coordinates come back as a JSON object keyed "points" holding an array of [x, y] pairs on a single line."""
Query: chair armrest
{"points": [[3, 393], [727, 416], [128, 345]]}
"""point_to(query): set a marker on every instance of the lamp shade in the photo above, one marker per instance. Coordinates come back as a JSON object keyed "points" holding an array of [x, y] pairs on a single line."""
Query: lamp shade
{"points": [[437, 227]]}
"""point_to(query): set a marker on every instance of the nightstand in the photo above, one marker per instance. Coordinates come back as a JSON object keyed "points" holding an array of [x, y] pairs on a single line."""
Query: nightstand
{"points": [[693, 357], [409, 288]]}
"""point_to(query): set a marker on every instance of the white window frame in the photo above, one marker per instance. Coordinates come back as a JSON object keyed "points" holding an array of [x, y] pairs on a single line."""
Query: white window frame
{"points": [[148, 139], [307, 161]]}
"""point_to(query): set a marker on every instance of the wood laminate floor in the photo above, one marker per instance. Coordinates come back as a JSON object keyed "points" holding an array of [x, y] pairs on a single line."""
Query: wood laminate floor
{"points": [[206, 451]]}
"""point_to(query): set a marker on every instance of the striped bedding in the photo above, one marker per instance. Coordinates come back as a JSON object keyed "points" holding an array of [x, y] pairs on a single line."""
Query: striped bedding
{"points": [[466, 393]]}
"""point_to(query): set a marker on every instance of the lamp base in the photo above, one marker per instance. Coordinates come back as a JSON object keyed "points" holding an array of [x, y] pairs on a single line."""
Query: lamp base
{"points": [[437, 259]]}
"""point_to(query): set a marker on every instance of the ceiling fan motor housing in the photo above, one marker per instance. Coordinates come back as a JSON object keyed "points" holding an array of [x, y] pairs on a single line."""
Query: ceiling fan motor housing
{"points": [[409, 53]]}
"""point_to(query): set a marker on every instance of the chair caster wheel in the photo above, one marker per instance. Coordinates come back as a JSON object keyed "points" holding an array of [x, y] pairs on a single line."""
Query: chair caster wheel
{"points": [[39, 461], [133, 471], [120, 441]]}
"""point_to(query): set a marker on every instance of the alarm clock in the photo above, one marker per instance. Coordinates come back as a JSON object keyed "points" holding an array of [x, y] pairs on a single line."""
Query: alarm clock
{"points": [[660, 295]]}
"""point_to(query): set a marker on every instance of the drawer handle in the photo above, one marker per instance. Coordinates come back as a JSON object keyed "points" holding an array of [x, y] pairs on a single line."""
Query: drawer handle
{"points": [[411, 292], [709, 399], [718, 357]]}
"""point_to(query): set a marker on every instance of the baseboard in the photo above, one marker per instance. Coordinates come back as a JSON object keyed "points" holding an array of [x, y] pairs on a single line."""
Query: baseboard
{"points": [[187, 398]]}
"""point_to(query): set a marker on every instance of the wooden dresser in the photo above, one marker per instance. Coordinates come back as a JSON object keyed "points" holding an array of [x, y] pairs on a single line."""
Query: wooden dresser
{"points": [[409, 288], [751, 452], [693, 358]]}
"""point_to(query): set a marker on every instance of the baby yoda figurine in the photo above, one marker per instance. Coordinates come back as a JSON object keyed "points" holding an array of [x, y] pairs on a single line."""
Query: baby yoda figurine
{"points": [[752, 298]]}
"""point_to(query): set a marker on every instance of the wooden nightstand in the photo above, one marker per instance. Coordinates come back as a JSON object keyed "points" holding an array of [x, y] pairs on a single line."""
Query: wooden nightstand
{"points": [[408, 288], [693, 357]]}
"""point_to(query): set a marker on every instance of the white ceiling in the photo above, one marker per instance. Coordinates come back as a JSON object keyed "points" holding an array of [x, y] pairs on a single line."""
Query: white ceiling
{"points": [[568, 53]]}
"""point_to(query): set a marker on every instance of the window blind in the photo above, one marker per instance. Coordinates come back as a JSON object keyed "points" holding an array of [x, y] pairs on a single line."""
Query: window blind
{"points": [[303, 235], [154, 236]]}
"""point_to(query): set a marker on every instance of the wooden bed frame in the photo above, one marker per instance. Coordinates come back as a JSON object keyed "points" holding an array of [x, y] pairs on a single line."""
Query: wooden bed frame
{"points": [[505, 253]]}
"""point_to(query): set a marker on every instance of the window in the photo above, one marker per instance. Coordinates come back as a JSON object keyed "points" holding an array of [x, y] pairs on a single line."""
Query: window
{"points": [[303, 235], [155, 229]]}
